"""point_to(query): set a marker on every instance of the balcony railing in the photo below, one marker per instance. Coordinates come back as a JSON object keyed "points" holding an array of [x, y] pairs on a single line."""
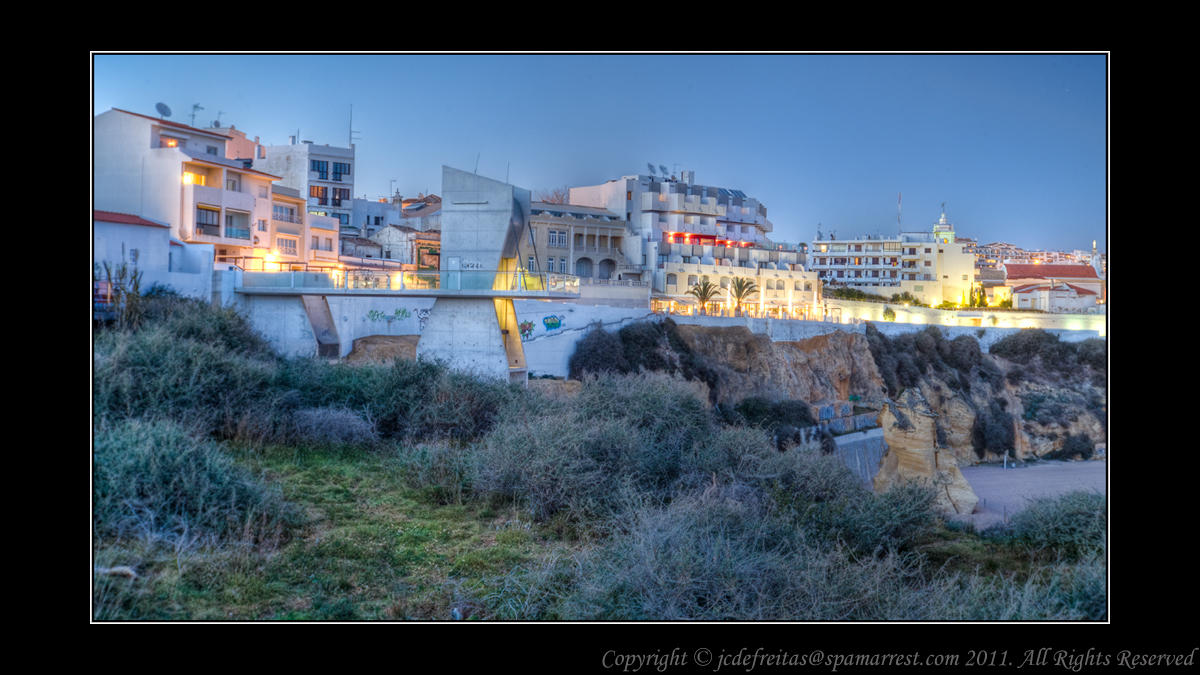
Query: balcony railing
{"points": [[237, 232], [468, 281]]}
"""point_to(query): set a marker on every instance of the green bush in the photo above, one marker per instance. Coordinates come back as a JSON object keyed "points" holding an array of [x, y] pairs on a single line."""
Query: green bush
{"points": [[154, 373], [992, 431], [154, 481], [1074, 524], [598, 351], [621, 435]]}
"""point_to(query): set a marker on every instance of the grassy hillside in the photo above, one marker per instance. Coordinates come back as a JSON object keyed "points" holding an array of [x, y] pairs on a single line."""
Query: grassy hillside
{"points": [[231, 484]]}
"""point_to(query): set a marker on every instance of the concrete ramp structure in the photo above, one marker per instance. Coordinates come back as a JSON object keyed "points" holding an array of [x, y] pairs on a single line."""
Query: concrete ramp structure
{"points": [[482, 221], [323, 327], [463, 313]]}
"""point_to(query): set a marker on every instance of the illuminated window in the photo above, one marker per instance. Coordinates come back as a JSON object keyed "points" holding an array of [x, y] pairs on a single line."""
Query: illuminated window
{"points": [[320, 193], [190, 178]]}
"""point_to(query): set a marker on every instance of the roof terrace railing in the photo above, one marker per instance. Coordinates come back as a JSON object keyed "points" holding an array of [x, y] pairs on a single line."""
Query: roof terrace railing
{"points": [[417, 281]]}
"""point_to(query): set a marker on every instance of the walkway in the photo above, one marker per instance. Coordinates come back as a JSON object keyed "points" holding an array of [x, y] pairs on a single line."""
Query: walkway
{"points": [[1002, 492]]}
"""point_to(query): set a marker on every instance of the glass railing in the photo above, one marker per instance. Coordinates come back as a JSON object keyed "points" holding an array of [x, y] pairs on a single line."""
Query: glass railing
{"points": [[417, 281], [237, 232]]}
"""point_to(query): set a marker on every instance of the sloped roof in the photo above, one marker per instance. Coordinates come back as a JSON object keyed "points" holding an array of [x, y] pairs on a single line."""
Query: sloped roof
{"points": [[177, 125], [1021, 271], [124, 218]]}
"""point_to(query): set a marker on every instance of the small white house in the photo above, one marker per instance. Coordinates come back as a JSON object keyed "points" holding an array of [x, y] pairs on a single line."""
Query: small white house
{"points": [[147, 246]]}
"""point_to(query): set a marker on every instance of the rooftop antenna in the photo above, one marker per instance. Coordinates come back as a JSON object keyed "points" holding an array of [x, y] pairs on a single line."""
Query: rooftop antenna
{"points": [[899, 206], [506, 168], [195, 107], [163, 110], [476, 172], [352, 131]]}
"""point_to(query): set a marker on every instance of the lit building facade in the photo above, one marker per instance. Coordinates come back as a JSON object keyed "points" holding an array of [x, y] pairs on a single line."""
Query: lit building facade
{"points": [[931, 266], [324, 175], [679, 233]]}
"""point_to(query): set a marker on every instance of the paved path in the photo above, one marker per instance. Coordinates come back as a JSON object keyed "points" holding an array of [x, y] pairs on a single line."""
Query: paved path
{"points": [[1002, 492]]}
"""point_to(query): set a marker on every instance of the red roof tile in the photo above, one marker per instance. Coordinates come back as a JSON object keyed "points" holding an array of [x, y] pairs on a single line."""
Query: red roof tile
{"points": [[1017, 271], [124, 218]]}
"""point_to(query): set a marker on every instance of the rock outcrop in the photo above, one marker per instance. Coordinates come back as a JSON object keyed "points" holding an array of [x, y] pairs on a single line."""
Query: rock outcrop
{"points": [[830, 367], [914, 454]]}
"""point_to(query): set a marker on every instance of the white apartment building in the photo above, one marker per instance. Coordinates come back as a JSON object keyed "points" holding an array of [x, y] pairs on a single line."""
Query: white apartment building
{"points": [[932, 266], [679, 232], [370, 217], [323, 174], [176, 174], [182, 176]]}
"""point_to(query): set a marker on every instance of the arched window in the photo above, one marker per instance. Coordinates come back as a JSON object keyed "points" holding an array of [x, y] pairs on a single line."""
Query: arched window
{"points": [[691, 280], [672, 280]]}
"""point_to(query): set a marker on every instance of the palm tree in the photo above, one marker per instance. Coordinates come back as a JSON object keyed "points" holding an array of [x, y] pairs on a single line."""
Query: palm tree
{"points": [[704, 292], [741, 288]]}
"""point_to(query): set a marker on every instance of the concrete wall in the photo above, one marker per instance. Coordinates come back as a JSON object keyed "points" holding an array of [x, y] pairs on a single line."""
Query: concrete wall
{"points": [[465, 333]]}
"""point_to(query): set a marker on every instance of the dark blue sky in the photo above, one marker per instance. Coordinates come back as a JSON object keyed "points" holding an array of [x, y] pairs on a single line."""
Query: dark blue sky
{"points": [[1014, 144]]}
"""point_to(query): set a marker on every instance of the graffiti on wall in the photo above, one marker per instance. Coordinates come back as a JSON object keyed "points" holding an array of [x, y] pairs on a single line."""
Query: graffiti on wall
{"points": [[553, 322], [526, 328], [376, 315], [422, 316]]}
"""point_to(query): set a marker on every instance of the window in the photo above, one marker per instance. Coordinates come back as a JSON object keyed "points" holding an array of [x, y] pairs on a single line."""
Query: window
{"points": [[284, 213], [233, 183], [320, 193], [328, 243], [343, 218], [211, 149], [321, 167], [550, 265], [628, 195], [262, 225], [928, 263], [532, 233], [286, 245], [339, 194], [672, 280], [316, 243], [169, 142], [562, 265], [191, 178], [207, 216], [340, 169], [531, 265]]}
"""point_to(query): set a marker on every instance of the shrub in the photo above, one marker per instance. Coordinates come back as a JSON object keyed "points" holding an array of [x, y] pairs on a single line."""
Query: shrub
{"points": [[992, 430], [330, 426], [759, 411], [599, 351], [154, 373], [194, 319], [442, 471], [623, 436], [153, 480], [1074, 447], [1074, 524]]}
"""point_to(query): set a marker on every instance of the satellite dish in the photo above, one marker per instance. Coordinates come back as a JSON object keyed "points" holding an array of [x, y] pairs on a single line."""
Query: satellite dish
{"points": [[651, 167], [162, 109]]}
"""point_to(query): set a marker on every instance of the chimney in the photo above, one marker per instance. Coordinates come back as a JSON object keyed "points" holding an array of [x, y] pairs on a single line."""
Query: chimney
{"points": [[291, 140]]}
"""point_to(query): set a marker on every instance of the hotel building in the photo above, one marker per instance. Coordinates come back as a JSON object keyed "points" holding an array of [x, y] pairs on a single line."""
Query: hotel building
{"points": [[679, 233], [932, 266]]}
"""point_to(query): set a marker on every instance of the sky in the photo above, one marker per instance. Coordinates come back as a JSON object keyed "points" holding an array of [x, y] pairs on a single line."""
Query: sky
{"points": [[1014, 144]]}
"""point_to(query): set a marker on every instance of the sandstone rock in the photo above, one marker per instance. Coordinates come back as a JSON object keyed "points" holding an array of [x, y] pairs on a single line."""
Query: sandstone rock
{"points": [[824, 368], [383, 348], [913, 454]]}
